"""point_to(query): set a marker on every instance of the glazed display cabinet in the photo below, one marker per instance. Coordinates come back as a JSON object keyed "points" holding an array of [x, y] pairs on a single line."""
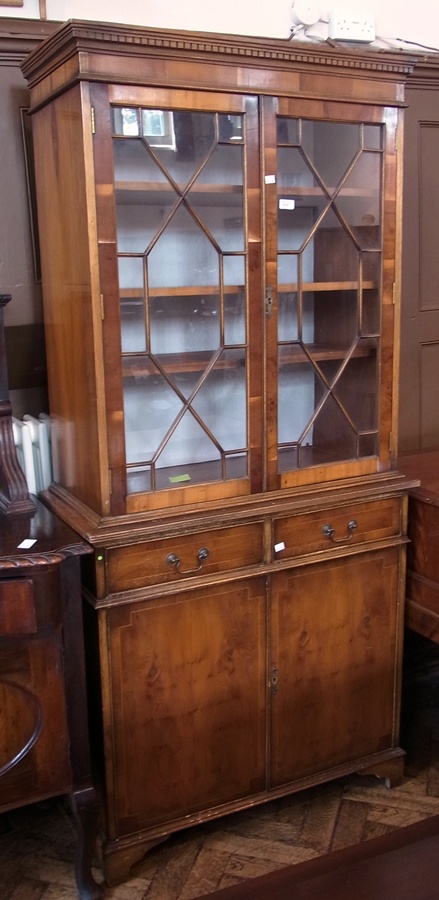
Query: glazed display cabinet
{"points": [[220, 231]]}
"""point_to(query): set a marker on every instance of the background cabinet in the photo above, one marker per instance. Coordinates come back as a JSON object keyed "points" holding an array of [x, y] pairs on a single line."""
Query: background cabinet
{"points": [[44, 747], [220, 267], [418, 422]]}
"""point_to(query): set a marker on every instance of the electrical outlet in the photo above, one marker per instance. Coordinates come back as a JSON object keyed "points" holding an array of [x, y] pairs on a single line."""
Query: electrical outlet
{"points": [[356, 27]]}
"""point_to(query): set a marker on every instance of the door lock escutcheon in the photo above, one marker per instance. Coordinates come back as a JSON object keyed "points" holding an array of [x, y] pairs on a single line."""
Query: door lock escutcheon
{"points": [[269, 302], [274, 680]]}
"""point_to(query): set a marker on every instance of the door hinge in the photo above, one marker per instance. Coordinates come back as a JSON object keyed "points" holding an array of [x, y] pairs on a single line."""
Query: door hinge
{"points": [[110, 481], [102, 307], [93, 122]]}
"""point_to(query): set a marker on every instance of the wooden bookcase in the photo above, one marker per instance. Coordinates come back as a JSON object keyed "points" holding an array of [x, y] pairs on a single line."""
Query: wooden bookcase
{"points": [[220, 241]]}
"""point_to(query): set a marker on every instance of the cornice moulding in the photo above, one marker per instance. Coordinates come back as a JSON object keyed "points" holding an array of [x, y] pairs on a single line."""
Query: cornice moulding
{"points": [[77, 36]]}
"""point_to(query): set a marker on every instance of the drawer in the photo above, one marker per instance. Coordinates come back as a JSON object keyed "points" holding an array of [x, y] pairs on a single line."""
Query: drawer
{"points": [[342, 525], [179, 557], [17, 608]]}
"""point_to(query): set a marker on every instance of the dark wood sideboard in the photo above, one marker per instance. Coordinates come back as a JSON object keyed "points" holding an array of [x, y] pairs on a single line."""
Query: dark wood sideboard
{"points": [[44, 750], [422, 592]]}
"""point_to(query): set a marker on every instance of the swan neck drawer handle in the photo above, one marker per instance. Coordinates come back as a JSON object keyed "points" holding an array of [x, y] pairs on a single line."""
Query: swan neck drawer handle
{"points": [[173, 560], [329, 532]]}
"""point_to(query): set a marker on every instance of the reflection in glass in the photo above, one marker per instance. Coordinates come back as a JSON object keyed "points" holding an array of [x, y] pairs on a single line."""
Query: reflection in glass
{"points": [[140, 215], [370, 323], [230, 127], [330, 147], [184, 324], [150, 408], [295, 400], [221, 401], [134, 163], [372, 137], [287, 317], [190, 444], [132, 307], [359, 207], [183, 255], [132, 325], [294, 172], [234, 299], [158, 127], [126, 120], [287, 131], [294, 226]]}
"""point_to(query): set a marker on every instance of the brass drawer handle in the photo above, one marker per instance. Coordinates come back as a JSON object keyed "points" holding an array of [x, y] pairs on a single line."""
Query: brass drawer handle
{"points": [[329, 532], [173, 560]]}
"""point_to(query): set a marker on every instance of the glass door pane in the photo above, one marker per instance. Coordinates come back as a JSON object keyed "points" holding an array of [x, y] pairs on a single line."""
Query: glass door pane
{"points": [[182, 263], [329, 250]]}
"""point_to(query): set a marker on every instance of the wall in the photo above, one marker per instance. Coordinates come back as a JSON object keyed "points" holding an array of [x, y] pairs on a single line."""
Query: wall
{"points": [[270, 18]]}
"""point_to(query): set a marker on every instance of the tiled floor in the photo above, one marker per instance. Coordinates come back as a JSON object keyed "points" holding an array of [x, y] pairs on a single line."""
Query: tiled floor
{"points": [[37, 843]]}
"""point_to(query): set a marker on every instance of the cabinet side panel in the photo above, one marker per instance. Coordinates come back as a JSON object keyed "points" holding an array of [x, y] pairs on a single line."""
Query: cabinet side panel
{"points": [[70, 277]]}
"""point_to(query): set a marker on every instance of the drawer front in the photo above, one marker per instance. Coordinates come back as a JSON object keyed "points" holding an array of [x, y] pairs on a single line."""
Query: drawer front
{"points": [[179, 557], [17, 608], [323, 529]]}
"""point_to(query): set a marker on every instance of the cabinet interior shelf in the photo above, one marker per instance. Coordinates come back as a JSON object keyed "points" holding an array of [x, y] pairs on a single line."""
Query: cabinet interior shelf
{"points": [[321, 286], [158, 186], [212, 290], [153, 187], [135, 193], [180, 291], [296, 190], [136, 366]]}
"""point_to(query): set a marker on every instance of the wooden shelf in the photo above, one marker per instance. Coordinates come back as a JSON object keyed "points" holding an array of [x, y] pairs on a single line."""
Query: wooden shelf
{"points": [[189, 291], [138, 366], [199, 473], [221, 188], [290, 355], [153, 187], [153, 193], [212, 290], [141, 366], [297, 190], [321, 286]]}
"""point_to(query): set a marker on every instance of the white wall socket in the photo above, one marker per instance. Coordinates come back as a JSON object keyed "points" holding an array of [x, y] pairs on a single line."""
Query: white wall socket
{"points": [[358, 27]]}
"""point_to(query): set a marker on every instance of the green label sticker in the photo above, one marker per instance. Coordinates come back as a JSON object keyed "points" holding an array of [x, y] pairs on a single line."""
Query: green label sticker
{"points": [[175, 479]]}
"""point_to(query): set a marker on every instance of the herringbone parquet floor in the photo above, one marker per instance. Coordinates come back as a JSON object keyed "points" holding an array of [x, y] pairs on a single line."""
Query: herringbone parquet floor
{"points": [[37, 843]]}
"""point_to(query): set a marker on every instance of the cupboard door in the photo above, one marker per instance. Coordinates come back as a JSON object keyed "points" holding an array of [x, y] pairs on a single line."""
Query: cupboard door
{"points": [[335, 647], [188, 698], [182, 251], [325, 240]]}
